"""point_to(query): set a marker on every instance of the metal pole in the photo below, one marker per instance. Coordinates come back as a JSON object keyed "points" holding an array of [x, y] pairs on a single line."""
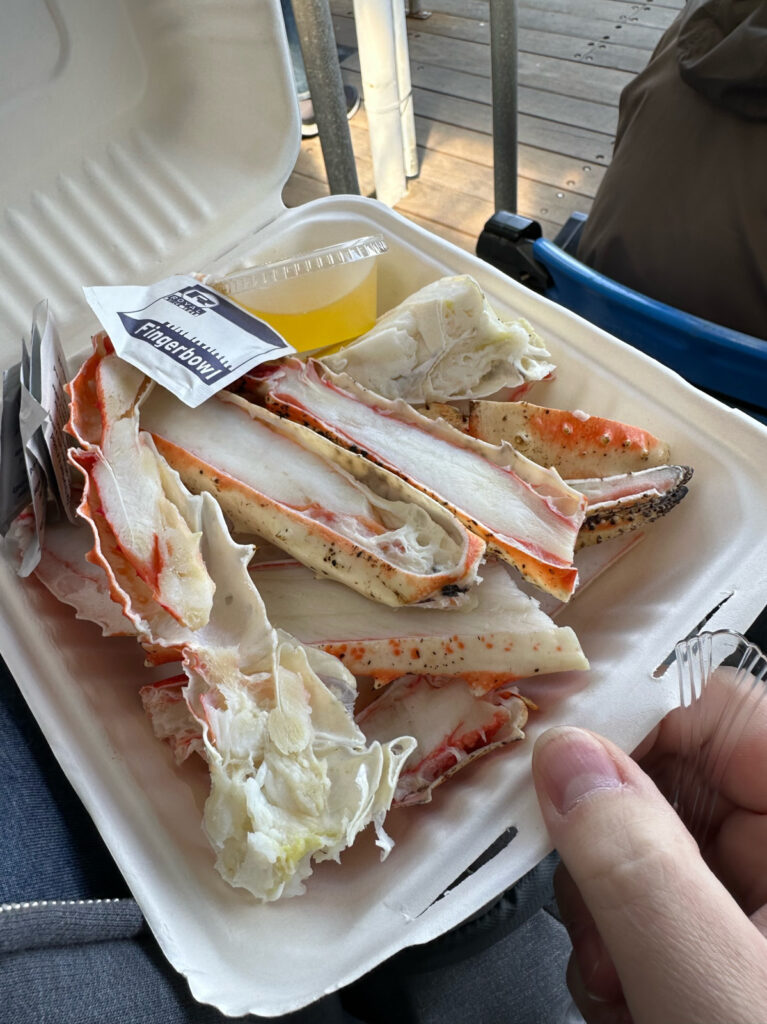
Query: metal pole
{"points": [[405, 89], [503, 69], [323, 73], [414, 10], [378, 66]]}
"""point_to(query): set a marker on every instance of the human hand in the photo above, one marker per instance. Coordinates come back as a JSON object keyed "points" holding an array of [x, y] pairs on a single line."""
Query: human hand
{"points": [[661, 932]]}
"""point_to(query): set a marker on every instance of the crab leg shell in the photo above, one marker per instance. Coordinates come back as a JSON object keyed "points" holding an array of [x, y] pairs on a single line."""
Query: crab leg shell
{"points": [[451, 728], [329, 508], [67, 572], [149, 529], [525, 514], [172, 721], [629, 501], [502, 635], [292, 777], [576, 444], [126, 587]]}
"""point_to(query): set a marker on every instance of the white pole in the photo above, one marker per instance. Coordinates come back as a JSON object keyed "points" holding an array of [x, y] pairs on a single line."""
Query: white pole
{"points": [[378, 66], [405, 89]]}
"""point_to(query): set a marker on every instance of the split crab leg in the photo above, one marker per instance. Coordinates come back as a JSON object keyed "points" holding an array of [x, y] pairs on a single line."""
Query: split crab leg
{"points": [[629, 484], [526, 514], [330, 509], [122, 472], [500, 637], [451, 727]]}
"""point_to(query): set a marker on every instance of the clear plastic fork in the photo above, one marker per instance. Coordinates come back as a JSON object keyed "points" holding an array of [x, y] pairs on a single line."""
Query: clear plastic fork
{"points": [[707, 746]]}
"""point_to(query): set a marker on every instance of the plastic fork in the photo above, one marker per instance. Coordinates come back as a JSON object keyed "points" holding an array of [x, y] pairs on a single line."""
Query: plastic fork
{"points": [[701, 763]]}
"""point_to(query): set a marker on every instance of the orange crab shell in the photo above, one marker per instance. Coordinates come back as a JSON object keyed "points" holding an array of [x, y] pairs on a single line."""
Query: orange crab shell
{"points": [[577, 444]]}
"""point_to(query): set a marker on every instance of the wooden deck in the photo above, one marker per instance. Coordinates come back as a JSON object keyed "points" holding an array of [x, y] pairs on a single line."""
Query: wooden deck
{"points": [[575, 58]]}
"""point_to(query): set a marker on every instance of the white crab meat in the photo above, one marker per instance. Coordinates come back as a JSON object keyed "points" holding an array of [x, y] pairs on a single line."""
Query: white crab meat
{"points": [[330, 509], [526, 514], [500, 636], [444, 343], [450, 725]]}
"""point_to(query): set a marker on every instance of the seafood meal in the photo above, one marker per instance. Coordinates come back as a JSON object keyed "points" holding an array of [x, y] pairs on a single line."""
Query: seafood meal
{"points": [[344, 567]]}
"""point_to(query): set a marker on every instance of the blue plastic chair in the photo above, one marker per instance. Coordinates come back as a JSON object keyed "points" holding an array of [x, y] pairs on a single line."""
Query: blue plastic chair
{"points": [[730, 365]]}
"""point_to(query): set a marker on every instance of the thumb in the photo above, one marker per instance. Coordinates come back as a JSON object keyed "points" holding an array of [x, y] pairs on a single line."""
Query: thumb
{"points": [[682, 948]]}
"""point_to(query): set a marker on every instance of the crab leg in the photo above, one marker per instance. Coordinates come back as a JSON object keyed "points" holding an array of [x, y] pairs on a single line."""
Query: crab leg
{"points": [[629, 501], [576, 444], [149, 530], [329, 508], [450, 726], [501, 636], [525, 514]]}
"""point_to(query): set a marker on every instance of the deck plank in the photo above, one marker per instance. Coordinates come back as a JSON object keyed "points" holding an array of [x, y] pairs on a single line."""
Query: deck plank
{"points": [[575, 57], [577, 26], [430, 54], [651, 15], [451, 88], [589, 48]]}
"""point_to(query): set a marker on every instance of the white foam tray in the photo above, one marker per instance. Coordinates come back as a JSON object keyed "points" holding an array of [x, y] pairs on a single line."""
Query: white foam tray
{"points": [[238, 955]]}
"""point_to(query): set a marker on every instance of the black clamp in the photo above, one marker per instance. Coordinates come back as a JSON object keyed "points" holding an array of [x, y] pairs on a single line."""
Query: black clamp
{"points": [[506, 242]]}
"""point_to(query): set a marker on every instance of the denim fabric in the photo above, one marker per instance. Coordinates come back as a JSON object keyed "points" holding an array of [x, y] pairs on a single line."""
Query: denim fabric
{"points": [[115, 982], [49, 847], [518, 979]]}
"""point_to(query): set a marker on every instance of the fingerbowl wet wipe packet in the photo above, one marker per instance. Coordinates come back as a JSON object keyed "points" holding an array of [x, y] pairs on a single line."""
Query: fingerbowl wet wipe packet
{"points": [[186, 336]]}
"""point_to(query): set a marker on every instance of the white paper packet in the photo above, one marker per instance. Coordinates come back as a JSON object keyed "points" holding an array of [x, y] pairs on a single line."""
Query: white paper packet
{"points": [[186, 336]]}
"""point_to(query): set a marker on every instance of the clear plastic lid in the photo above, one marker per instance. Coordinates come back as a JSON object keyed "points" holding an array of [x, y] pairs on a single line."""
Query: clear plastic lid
{"points": [[269, 274]]}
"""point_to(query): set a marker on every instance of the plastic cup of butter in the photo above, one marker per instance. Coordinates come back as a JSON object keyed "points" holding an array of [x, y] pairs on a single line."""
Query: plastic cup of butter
{"points": [[315, 299]]}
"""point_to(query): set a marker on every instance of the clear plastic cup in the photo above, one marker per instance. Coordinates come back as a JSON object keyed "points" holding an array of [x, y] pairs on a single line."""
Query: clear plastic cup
{"points": [[315, 299]]}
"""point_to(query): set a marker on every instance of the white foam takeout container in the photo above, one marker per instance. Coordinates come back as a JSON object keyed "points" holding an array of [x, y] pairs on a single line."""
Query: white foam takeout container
{"points": [[155, 137]]}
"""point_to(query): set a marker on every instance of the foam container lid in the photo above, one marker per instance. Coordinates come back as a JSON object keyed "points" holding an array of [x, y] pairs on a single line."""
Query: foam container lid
{"points": [[190, 133]]}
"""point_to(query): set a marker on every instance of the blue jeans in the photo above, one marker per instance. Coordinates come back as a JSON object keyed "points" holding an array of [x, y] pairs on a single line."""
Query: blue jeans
{"points": [[83, 954]]}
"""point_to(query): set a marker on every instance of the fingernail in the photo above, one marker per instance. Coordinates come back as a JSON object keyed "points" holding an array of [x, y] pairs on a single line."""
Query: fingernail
{"points": [[570, 763]]}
